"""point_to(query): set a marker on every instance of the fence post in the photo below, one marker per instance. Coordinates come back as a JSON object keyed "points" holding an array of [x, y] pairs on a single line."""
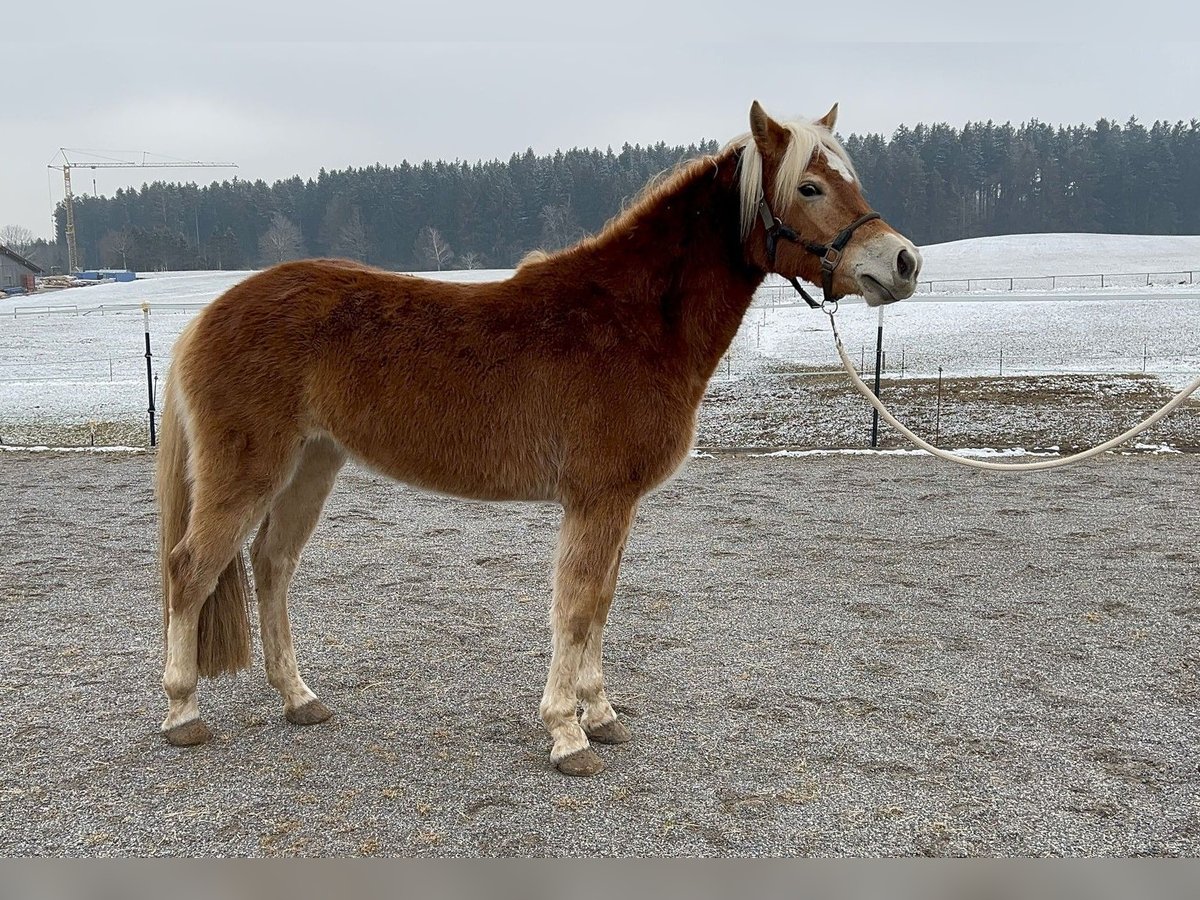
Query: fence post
{"points": [[1145, 355], [1010, 282], [1101, 281], [1001, 361], [937, 422], [878, 368], [149, 370]]}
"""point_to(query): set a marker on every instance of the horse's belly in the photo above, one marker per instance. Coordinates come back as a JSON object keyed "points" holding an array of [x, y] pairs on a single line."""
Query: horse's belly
{"points": [[472, 482], [476, 463]]}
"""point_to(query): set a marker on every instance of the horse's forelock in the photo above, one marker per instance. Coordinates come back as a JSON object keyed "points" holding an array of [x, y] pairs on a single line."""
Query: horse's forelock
{"points": [[806, 139]]}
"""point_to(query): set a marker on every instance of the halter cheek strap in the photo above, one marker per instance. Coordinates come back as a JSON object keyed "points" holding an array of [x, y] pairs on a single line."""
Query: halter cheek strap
{"points": [[831, 253]]}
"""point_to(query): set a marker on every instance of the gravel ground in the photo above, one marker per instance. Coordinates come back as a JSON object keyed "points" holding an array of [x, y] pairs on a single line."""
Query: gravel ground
{"points": [[822, 656]]}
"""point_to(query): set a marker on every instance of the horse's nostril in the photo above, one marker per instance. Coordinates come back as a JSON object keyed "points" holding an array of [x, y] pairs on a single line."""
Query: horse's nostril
{"points": [[906, 264]]}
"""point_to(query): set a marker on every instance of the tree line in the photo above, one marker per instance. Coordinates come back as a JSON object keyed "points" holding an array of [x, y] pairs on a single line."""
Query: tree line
{"points": [[933, 182]]}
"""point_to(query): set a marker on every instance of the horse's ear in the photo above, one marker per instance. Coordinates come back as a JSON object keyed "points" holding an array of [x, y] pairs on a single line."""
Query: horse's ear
{"points": [[830, 118], [771, 137]]}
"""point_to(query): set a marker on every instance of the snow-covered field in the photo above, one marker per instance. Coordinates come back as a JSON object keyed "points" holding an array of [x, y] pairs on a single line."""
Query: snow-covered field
{"points": [[1122, 333], [1076, 326], [1041, 255], [76, 356]]}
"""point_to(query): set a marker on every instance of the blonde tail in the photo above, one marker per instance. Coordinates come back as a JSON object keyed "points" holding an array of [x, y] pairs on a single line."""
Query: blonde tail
{"points": [[223, 640]]}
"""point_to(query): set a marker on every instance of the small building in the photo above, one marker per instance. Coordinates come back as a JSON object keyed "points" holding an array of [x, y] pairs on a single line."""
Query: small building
{"points": [[16, 272]]}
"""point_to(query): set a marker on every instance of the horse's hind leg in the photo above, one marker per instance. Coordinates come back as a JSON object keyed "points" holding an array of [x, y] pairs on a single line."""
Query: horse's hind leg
{"points": [[589, 549], [275, 555], [221, 518]]}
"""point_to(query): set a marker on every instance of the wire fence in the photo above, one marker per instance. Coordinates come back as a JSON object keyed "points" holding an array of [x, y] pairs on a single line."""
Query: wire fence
{"points": [[101, 310], [999, 361], [1058, 282], [124, 366], [779, 294]]}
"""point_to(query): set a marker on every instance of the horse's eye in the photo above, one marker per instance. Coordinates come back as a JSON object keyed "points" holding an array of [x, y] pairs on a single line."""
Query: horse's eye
{"points": [[808, 189]]}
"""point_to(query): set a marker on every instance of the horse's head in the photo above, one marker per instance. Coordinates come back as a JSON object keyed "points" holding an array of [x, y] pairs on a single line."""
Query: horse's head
{"points": [[803, 213]]}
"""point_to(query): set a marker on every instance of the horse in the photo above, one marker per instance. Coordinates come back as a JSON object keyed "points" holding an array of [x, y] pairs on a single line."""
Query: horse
{"points": [[575, 381]]}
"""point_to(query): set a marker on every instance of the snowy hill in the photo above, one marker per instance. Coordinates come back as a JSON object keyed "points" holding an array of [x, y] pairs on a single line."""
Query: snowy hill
{"points": [[1029, 255]]}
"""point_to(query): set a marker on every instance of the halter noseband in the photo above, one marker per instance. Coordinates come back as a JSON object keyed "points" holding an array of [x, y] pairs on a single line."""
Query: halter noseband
{"points": [[831, 253]]}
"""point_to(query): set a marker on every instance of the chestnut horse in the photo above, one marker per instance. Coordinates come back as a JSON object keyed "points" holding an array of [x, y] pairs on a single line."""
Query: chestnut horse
{"points": [[576, 381]]}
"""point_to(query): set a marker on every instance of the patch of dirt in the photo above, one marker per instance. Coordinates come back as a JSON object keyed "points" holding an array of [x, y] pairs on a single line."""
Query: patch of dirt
{"points": [[821, 656]]}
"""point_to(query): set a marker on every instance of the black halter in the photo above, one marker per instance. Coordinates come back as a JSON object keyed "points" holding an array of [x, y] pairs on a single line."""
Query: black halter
{"points": [[831, 253]]}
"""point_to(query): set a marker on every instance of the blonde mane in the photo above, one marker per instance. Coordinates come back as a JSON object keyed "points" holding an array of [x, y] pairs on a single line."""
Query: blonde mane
{"points": [[806, 139]]}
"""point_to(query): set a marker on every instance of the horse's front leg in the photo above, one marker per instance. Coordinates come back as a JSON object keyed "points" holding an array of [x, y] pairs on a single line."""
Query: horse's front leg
{"points": [[599, 718], [589, 550]]}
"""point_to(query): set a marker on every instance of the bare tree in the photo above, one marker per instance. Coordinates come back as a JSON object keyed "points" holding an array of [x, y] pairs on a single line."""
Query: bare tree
{"points": [[281, 241], [559, 226], [18, 239], [470, 260], [351, 241], [432, 248], [117, 243]]}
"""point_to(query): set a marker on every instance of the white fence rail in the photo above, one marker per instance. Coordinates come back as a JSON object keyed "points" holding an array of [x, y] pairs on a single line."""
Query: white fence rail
{"points": [[781, 294], [1059, 282], [102, 309]]}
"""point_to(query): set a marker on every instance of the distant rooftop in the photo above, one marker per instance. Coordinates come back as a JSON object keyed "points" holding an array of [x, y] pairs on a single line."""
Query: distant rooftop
{"points": [[17, 257]]}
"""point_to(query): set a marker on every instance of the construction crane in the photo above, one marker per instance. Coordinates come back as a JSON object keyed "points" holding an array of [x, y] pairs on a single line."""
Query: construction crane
{"points": [[110, 163]]}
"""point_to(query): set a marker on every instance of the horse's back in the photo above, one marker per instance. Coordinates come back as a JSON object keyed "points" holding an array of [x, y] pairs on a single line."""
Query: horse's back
{"points": [[502, 390], [431, 382]]}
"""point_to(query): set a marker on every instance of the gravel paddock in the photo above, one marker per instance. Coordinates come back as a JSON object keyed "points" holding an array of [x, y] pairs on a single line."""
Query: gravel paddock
{"points": [[819, 656]]}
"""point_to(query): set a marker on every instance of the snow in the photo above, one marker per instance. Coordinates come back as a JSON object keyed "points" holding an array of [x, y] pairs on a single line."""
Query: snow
{"points": [[77, 356], [1121, 333], [1152, 448], [41, 449], [1036, 255], [973, 452]]}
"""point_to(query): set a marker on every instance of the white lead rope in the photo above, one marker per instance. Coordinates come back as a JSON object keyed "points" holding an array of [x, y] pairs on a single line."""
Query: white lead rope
{"points": [[848, 364]]}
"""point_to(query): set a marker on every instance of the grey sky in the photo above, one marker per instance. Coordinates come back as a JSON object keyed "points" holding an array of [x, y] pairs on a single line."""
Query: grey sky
{"points": [[284, 109]]}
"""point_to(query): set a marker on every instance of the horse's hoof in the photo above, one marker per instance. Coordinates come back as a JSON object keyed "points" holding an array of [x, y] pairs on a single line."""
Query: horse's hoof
{"points": [[189, 734], [581, 764], [613, 732], [311, 713]]}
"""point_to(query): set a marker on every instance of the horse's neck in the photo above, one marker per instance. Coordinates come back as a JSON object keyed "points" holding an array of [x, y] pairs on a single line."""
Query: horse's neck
{"points": [[685, 256]]}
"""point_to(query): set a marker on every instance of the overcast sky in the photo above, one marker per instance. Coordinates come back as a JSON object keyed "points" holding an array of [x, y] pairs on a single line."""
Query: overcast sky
{"points": [[284, 109]]}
